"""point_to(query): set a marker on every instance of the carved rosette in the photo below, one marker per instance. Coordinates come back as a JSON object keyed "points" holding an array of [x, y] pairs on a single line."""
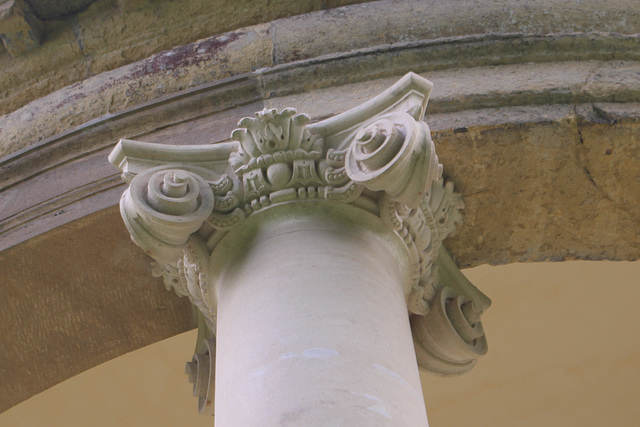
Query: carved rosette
{"points": [[378, 157]]}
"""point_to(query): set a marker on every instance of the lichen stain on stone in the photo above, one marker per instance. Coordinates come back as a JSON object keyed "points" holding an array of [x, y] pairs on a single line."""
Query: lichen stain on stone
{"points": [[110, 84], [185, 56], [165, 62]]}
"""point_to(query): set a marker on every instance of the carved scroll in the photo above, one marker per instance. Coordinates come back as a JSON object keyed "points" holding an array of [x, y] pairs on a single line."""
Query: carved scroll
{"points": [[378, 157]]}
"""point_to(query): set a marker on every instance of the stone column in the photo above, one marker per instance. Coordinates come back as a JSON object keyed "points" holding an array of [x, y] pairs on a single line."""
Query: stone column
{"points": [[313, 251], [313, 328]]}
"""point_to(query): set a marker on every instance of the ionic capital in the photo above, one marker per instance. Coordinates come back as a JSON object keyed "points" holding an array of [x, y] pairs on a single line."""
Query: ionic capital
{"points": [[377, 158]]}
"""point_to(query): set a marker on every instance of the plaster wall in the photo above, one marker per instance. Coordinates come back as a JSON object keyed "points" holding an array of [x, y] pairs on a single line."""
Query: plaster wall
{"points": [[551, 362]]}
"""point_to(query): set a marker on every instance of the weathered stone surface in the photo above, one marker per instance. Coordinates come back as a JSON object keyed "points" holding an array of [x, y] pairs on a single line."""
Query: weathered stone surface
{"points": [[110, 34], [383, 22], [224, 56], [556, 189], [270, 45], [105, 38], [20, 30], [111, 39], [75, 298], [460, 89], [183, 68], [55, 64]]}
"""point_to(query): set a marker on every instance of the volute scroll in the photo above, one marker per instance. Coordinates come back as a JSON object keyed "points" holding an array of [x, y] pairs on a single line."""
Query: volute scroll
{"points": [[182, 202]]}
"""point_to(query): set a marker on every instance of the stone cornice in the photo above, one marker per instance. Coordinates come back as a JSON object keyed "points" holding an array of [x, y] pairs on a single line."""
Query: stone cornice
{"points": [[305, 36], [53, 115]]}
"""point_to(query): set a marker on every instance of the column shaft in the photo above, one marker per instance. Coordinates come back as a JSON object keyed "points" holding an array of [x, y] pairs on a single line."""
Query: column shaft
{"points": [[313, 330]]}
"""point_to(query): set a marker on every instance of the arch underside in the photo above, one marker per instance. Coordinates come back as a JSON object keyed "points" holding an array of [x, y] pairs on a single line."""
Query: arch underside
{"points": [[543, 145]]}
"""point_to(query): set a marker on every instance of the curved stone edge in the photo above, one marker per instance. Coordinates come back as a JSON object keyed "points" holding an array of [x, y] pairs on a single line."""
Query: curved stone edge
{"points": [[161, 77], [110, 34], [76, 297], [83, 48], [270, 49], [527, 84], [32, 207]]}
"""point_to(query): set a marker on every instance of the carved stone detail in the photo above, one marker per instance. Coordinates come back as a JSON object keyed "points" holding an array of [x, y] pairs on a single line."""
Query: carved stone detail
{"points": [[394, 154], [162, 209], [201, 372], [378, 157], [450, 338]]}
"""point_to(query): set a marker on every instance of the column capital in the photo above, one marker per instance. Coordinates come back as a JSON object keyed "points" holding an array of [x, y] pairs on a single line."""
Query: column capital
{"points": [[378, 157]]}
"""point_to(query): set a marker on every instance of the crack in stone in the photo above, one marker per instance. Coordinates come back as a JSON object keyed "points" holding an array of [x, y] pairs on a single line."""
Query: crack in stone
{"points": [[74, 23], [274, 53], [580, 154], [580, 159]]}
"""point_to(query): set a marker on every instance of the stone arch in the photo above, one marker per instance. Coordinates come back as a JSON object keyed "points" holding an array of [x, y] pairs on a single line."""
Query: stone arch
{"points": [[534, 114]]}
